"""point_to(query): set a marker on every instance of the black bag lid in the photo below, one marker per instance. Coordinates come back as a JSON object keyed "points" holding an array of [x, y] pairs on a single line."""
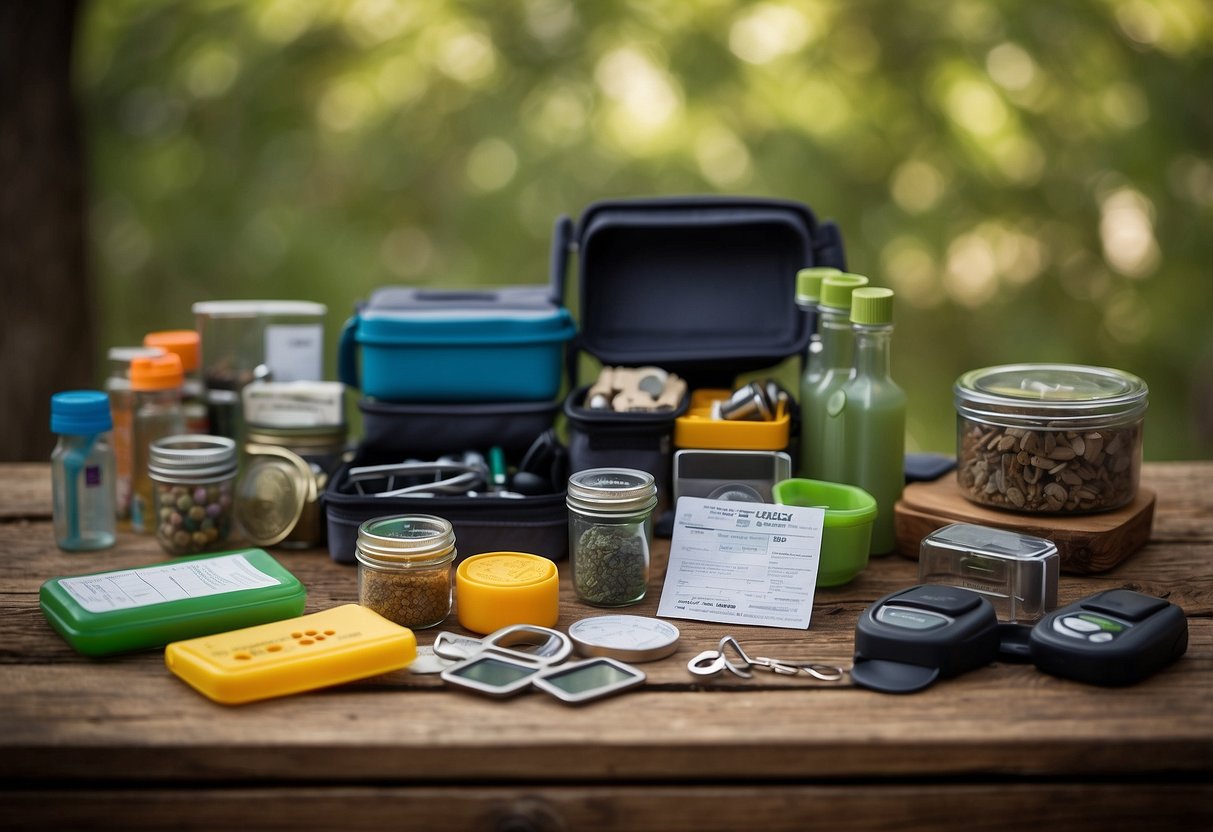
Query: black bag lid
{"points": [[702, 286]]}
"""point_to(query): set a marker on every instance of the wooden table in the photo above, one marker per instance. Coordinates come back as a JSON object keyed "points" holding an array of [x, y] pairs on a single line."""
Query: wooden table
{"points": [[121, 743]]}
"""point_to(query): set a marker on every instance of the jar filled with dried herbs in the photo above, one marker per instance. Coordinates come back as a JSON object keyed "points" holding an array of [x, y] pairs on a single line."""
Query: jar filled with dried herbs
{"points": [[610, 534], [404, 568]]}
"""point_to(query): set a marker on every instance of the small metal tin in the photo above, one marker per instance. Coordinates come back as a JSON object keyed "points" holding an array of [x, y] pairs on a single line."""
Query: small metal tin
{"points": [[629, 638], [1016, 572]]}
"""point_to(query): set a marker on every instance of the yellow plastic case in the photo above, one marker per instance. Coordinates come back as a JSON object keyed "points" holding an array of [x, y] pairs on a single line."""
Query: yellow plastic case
{"points": [[697, 429], [298, 654], [498, 589]]}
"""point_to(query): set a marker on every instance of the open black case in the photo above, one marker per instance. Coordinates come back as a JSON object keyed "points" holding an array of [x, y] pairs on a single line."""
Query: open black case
{"points": [[703, 287], [700, 286]]}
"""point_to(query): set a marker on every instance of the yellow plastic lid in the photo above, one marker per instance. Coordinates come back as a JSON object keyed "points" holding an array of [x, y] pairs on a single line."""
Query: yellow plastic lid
{"points": [[497, 589]]}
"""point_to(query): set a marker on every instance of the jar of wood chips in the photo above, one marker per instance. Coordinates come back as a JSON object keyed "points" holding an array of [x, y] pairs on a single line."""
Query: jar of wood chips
{"points": [[404, 568], [1049, 438]]}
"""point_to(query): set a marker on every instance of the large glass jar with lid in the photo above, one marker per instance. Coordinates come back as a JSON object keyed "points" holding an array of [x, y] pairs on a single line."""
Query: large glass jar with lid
{"points": [[1049, 438], [611, 534]]}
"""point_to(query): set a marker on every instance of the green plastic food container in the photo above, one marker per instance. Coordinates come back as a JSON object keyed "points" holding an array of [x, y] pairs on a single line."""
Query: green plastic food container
{"points": [[847, 537]]}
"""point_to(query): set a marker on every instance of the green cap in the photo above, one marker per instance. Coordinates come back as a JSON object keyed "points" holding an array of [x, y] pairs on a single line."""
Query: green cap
{"points": [[808, 282], [872, 306], [836, 290]]}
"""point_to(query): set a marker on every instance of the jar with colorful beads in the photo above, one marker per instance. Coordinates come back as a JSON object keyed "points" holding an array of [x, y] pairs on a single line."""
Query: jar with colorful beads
{"points": [[194, 477]]}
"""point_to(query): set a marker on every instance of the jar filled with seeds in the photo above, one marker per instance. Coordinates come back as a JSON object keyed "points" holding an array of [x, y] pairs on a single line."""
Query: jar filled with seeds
{"points": [[193, 477], [610, 534], [1049, 438], [404, 568]]}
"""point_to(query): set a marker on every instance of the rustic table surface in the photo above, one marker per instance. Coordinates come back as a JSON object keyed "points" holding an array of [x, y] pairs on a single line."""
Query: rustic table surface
{"points": [[121, 743]]}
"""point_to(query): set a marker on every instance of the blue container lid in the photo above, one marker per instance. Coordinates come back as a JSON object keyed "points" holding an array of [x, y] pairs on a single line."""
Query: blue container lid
{"points": [[81, 413], [397, 315]]}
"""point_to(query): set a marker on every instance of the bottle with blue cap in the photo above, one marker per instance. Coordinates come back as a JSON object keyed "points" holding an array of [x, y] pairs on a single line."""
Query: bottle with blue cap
{"points": [[82, 471]]}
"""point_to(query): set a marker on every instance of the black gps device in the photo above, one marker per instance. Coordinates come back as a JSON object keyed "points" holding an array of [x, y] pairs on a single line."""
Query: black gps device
{"points": [[1116, 637]]}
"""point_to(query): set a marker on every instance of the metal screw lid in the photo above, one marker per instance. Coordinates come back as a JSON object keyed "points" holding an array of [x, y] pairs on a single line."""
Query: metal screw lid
{"points": [[406, 539], [612, 490], [191, 455]]}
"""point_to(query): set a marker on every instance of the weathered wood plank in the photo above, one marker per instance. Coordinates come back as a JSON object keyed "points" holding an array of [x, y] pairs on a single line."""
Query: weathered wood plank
{"points": [[918, 807]]}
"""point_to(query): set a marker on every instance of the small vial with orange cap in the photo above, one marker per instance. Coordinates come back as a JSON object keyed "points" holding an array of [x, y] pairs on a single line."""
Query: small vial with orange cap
{"points": [[186, 345], [156, 383]]}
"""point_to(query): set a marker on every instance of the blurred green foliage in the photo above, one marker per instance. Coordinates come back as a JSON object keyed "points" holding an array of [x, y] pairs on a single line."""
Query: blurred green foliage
{"points": [[1034, 179]]}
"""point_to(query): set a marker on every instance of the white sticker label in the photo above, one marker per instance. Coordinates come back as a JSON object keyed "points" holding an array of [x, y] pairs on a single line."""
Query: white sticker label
{"points": [[129, 588], [294, 404], [295, 352], [743, 563]]}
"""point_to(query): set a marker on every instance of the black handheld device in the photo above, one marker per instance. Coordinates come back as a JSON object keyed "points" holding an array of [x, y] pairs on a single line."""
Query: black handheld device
{"points": [[910, 638], [1116, 637]]}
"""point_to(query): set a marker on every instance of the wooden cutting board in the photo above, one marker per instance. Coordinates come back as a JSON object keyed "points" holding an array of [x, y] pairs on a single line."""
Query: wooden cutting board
{"points": [[1087, 543]]}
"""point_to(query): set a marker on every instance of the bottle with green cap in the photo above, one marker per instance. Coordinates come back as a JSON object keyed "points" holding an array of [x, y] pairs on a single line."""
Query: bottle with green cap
{"points": [[82, 471], [817, 460], [808, 296], [871, 411]]}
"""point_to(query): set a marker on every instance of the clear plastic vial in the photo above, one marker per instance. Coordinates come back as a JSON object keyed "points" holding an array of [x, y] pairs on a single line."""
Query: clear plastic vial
{"points": [[156, 386], [404, 568], [122, 408], [193, 479], [82, 471], [184, 343], [611, 534], [808, 298]]}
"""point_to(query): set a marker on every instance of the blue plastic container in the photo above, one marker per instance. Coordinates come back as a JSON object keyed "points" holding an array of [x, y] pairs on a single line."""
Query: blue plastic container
{"points": [[419, 345]]}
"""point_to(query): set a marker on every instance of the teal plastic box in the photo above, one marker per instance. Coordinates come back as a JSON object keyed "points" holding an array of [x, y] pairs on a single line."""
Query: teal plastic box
{"points": [[420, 345], [149, 606]]}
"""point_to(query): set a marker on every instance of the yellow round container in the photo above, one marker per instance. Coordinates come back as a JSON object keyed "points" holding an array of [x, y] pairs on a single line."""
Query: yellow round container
{"points": [[497, 589]]}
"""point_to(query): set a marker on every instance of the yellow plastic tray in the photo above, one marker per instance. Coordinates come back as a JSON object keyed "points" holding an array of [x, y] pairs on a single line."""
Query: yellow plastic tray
{"points": [[697, 429]]}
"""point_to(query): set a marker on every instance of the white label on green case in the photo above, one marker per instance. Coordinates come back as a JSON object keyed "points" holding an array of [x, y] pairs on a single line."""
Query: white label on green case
{"points": [[129, 588]]}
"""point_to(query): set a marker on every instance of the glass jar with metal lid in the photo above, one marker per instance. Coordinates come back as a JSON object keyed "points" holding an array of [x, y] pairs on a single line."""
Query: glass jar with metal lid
{"points": [[404, 568], [1049, 438], [286, 471], [193, 477], [611, 534]]}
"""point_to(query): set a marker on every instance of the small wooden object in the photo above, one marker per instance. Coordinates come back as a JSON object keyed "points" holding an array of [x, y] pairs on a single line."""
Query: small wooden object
{"points": [[1087, 543]]}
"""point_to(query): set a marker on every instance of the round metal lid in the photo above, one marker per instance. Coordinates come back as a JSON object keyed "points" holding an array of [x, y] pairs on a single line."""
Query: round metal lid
{"points": [[621, 490], [1051, 391], [192, 455], [629, 638], [406, 538], [272, 494]]}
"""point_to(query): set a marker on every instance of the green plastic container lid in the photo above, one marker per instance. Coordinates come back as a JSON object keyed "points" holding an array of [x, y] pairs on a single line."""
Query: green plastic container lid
{"points": [[836, 291], [808, 282], [872, 306]]}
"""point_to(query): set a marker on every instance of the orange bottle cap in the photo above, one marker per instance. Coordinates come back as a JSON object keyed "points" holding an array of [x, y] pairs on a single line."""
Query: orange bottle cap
{"points": [[162, 372], [183, 342]]}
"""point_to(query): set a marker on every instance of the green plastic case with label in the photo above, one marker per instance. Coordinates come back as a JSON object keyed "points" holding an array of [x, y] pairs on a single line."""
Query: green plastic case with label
{"points": [[220, 592]]}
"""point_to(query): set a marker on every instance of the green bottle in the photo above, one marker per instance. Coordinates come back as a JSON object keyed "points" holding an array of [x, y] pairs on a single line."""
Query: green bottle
{"points": [[817, 460], [873, 412]]}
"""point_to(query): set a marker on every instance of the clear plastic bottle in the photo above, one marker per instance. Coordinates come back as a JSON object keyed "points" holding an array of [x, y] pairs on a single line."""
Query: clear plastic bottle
{"points": [[808, 296], [820, 460], [82, 471], [122, 408], [872, 409], [156, 385], [185, 344]]}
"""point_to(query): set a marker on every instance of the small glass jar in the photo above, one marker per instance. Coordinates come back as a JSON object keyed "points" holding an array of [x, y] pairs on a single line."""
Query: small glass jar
{"points": [[1049, 438], [404, 568], [611, 534], [193, 477]]}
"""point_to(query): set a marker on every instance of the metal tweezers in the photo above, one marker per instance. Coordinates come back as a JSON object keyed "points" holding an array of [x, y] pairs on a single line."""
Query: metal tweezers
{"points": [[741, 664]]}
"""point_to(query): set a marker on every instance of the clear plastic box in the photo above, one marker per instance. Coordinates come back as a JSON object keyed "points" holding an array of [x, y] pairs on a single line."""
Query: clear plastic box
{"points": [[1017, 573]]}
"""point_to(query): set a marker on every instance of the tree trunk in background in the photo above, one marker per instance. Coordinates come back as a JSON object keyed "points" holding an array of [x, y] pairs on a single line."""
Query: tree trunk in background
{"points": [[46, 314]]}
